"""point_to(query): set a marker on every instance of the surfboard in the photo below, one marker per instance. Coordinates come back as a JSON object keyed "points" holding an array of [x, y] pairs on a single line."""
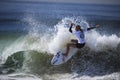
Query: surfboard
{"points": [[59, 58]]}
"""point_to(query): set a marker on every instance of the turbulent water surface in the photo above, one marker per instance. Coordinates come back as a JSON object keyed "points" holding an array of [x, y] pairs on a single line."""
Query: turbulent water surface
{"points": [[29, 32]]}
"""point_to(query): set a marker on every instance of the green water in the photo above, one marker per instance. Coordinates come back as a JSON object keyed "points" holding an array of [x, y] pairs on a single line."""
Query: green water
{"points": [[7, 39]]}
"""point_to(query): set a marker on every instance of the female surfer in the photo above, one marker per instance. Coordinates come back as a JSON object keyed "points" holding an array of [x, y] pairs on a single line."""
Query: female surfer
{"points": [[80, 41]]}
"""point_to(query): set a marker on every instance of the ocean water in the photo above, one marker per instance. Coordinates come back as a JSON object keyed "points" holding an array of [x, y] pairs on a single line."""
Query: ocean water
{"points": [[30, 31]]}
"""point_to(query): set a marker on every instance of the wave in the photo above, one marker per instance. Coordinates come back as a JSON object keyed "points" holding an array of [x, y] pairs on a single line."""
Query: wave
{"points": [[100, 56], [13, 62], [31, 61], [91, 63]]}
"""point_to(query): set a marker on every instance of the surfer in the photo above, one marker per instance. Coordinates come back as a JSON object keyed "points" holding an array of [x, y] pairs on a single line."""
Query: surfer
{"points": [[80, 41]]}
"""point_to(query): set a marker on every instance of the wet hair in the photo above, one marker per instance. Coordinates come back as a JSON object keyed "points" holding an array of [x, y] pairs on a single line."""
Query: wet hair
{"points": [[79, 27]]}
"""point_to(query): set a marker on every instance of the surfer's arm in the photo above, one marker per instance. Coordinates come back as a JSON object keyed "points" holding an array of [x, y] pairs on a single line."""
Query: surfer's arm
{"points": [[70, 29], [97, 26]]}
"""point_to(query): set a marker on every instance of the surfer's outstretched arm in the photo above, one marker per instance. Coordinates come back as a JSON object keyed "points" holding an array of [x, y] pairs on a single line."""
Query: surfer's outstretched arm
{"points": [[70, 29], [97, 26]]}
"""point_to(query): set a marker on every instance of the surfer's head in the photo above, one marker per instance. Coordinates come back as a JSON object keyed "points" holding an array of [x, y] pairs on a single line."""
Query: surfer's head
{"points": [[78, 27]]}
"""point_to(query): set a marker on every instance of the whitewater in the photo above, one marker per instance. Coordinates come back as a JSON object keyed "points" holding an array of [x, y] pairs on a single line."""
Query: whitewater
{"points": [[99, 59]]}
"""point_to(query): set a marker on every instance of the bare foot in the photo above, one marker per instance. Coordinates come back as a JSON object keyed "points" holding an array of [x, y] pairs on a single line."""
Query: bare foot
{"points": [[64, 54]]}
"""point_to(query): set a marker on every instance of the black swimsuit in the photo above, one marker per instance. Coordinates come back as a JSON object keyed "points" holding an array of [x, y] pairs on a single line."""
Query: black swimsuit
{"points": [[80, 45]]}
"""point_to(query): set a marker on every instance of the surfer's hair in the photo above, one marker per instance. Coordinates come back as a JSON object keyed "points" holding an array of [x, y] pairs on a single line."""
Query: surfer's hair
{"points": [[79, 27]]}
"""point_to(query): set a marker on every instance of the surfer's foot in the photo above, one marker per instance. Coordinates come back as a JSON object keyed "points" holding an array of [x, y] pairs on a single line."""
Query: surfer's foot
{"points": [[64, 54]]}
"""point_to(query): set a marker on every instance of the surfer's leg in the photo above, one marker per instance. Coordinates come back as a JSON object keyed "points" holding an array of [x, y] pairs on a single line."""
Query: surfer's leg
{"points": [[74, 40], [80, 45], [68, 48]]}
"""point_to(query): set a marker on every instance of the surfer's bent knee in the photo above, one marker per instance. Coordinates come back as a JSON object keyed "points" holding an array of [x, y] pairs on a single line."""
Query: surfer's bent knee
{"points": [[80, 45]]}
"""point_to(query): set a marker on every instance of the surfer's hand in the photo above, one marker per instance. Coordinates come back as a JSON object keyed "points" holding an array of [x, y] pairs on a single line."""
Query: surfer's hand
{"points": [[72, 24], [97, 26]]}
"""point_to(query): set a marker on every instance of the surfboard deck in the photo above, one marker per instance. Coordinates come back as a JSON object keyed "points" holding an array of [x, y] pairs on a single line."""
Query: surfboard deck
{"points": [[59, 58]]}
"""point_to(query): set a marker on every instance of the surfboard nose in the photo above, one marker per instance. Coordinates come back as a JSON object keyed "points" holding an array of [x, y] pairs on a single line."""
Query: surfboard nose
{"points": [[53, 62]]}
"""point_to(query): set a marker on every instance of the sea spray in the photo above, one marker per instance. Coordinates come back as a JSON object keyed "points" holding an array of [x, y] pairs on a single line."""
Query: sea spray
{"points": [[34, 40], [37, 43], [62, 36]]}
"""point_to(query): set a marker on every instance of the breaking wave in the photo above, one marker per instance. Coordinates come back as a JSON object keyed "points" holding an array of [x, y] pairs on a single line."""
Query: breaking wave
{"points": [[31, 52]]}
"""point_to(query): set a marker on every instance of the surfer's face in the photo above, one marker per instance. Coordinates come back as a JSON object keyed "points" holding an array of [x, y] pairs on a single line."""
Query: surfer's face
{"points": [[77, 28]]}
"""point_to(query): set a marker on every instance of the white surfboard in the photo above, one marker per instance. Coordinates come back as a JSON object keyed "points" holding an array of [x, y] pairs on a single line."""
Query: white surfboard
{"points": [[59, 58]]}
